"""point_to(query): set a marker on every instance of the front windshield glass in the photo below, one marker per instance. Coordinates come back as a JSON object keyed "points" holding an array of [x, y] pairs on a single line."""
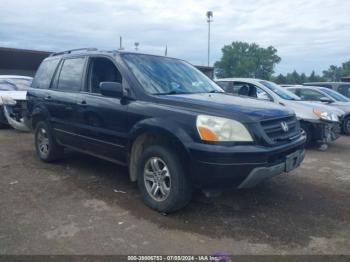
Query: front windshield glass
{"points": [[162, 75], [335, 95], [280, 91]]}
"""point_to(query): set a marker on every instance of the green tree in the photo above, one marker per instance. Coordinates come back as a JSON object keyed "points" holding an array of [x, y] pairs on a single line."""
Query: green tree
{"points": [[280, 79], [241, 59], [312, 77], [333, 73]]}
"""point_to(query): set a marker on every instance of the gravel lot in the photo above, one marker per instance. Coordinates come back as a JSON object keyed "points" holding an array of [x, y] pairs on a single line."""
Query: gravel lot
{"points": [[82, 205]]}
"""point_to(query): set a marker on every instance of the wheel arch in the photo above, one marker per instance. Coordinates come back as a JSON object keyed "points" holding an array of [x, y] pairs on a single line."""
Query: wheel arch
{"points": [[38, 114], [155, 132]]}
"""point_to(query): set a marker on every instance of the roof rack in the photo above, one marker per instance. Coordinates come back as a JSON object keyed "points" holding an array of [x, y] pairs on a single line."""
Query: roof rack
{"points": [[73, 50]]}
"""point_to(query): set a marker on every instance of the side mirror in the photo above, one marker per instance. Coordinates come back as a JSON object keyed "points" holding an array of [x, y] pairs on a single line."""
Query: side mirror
{"points": [[111, 89], [326, 100]]}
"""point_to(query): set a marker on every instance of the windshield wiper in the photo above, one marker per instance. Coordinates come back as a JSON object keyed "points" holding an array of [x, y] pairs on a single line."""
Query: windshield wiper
{"points": [[170, 93], [215, 91]]}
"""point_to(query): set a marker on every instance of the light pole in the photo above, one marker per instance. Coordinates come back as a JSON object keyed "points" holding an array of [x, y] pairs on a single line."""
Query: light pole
{"points": [[137, 44], [209, 20]]}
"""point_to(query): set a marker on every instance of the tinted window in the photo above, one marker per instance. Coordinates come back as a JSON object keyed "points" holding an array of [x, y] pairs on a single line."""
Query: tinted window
{"points": [[44, 74], [224, 85], [245, 89], [102, 70], [344, 90], [310, 95], [71, 74], [337, 96]]}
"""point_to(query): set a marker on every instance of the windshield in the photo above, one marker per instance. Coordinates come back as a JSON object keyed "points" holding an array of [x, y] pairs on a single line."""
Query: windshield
{"points": [[161, 75], [335, 95], [280, 91]]}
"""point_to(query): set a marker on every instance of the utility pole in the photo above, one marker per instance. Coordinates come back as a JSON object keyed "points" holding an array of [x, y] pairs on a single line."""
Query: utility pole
{"points": [[121, 43], [209, 20]]}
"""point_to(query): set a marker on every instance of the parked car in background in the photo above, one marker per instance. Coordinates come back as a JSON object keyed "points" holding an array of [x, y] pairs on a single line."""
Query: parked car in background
{"points": [[326, 96], [341, 87], [170, 124], [13, 105], [319, 122]]}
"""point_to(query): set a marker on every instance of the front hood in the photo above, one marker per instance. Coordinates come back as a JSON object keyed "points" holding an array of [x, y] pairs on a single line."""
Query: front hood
{"points": [[345, 106], [226, 105], [322, 107], [15, 95]]}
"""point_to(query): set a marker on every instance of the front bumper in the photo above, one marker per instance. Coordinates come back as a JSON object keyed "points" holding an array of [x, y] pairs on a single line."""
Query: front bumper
{"points": [[259, 174], [17, 117], [242, 166], [325, 131], [3, 119]]}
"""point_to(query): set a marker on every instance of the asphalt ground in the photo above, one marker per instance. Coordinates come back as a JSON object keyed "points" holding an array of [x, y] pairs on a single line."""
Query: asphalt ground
{"points": [[83, 205]]}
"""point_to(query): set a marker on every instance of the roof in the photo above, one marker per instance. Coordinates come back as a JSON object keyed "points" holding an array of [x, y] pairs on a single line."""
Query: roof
{"points": [[247, 80], [318, 83], [308, 87]]}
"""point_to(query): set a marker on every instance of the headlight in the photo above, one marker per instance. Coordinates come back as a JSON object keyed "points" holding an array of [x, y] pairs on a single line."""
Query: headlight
{"points": [[6, 100], [211, 128], [326, 115]]}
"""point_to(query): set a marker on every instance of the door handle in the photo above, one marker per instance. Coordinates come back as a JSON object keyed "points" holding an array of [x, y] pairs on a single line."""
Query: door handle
{"points": [[48, 97], [83, 103]]}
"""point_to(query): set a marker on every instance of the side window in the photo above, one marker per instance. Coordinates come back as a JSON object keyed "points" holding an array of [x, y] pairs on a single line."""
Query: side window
{"points": [[227, 86], [344, 90], [245, 89], [310, 95], [241, 89], [71, 75], [45, 73], [262, 95], [102, 70]]}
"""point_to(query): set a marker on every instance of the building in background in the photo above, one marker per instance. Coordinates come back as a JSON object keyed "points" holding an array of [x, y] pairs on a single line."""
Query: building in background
{"points": [[20, 61], [345, 79], [25, 62]]}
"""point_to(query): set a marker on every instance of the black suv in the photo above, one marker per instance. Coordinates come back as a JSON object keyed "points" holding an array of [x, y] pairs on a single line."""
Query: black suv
{"points": [[171, 125]]}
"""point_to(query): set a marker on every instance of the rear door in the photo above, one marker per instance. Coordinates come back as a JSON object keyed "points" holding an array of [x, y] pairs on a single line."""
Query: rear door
{"points": [[62, 99]]}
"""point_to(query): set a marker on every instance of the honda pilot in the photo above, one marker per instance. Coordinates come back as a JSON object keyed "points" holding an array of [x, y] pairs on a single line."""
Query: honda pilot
{"points": [[173, 127]]}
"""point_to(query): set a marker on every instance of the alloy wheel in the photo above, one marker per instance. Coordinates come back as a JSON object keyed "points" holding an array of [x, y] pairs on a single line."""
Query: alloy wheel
{"points": [[157, 179], [43, 143]]}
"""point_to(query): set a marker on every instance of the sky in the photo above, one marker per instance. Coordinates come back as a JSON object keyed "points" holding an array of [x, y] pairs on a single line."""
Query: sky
{"points": [[308, 34]]}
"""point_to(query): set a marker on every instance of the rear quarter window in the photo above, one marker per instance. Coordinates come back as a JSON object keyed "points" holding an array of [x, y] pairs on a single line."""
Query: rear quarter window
{"points": [[45, 73]]}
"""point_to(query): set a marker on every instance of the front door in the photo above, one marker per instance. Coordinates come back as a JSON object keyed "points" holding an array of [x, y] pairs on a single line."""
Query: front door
{"points": [[102, 120]]}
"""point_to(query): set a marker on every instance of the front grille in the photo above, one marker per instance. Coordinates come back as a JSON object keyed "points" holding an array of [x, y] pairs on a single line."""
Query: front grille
{"points": [[275, 132]]}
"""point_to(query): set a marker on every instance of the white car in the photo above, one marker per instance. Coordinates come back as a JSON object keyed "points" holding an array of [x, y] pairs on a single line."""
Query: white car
{"points": [[13, 92], [319, 122]]}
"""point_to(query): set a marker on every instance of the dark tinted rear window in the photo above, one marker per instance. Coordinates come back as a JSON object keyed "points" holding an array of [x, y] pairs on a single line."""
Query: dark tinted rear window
{"points": [[45, 73], [71, 75]]}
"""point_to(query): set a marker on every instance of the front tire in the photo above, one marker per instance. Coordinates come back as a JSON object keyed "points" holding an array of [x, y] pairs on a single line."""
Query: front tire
{"points": [[46, 146], [346, 126], [162, 180], [308, 132]]}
